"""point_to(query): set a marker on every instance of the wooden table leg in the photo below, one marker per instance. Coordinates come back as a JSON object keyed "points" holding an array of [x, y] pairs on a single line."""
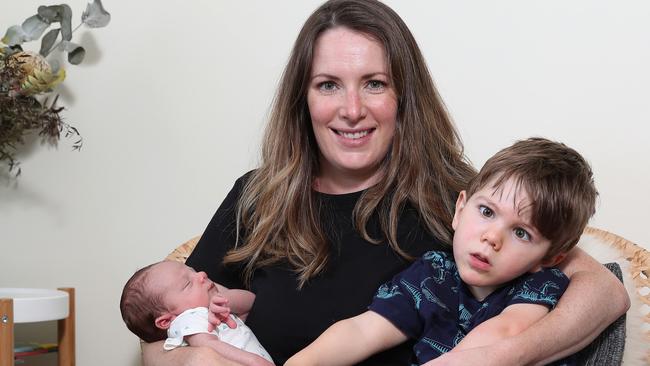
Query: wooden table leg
{"points": [[6, 332], [66, 330]]}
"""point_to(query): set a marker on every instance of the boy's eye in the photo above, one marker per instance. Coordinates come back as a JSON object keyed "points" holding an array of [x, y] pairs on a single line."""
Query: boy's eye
{"points": [[485, 211], [522, 234]]}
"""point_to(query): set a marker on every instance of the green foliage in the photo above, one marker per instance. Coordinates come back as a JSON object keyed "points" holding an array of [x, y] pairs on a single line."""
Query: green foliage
{"points": [[27, 79]]}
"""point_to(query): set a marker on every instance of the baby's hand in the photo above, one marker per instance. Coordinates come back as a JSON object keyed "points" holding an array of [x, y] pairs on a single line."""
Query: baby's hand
{"points": [[219, 312]]}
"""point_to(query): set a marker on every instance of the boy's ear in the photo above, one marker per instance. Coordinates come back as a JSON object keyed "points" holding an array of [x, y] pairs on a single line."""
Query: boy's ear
{"points": [[460, 204], [165, 320], [554, 261]]}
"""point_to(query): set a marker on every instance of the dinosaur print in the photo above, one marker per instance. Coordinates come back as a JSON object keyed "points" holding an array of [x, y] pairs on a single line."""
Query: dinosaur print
{"points": [[441, 265], [386, 292], [540, 294], [430, 296], [442, 348], [414, 291]]}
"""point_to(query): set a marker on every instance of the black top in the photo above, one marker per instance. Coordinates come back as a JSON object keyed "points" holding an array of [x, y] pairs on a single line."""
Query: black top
{"points": [[286, 319]]}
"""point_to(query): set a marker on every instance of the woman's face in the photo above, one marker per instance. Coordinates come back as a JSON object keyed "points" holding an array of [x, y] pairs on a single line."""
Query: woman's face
{"points": [[353, 107]]}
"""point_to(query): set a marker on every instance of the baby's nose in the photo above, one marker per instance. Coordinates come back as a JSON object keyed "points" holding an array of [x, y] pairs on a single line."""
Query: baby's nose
{"points": [[202, 276]]}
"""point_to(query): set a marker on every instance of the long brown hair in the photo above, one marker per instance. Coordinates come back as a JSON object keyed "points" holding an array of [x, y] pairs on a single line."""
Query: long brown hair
{"points": [[278, 214]]}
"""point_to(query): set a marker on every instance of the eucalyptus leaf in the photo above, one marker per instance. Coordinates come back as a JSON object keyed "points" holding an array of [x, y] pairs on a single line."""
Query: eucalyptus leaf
{"points": [[65, 46], [48, 42], [34, 27], [66, 22], [15, 35], [76, 53], [95, 15], [50, 14], [58, 13]]}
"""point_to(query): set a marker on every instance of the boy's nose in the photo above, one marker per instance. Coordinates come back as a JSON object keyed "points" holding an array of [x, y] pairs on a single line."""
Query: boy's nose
{"points": [[492, 237]]}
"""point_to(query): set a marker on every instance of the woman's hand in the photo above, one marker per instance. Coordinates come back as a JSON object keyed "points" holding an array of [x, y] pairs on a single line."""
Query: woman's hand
{"points": [[219, 312], [154, 355], [487, 356]]}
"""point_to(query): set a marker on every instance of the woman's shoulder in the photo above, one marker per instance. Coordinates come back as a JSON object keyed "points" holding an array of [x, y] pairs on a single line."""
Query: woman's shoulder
{"points": [[236, 191], [242, 180]]}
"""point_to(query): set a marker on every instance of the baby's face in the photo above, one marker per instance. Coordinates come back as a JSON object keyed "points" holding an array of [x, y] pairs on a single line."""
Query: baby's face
{"points": [[181, 286]]}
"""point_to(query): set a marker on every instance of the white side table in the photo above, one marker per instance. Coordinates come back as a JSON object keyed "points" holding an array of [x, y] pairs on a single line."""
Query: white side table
{"points": [[26, 305]]}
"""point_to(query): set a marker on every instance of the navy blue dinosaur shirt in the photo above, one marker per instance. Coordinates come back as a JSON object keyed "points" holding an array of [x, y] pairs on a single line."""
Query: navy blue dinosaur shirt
{"points": [[430, 303]]}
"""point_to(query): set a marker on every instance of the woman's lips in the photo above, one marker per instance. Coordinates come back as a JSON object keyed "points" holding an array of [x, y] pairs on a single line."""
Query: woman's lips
{"points": [[353, 138]]}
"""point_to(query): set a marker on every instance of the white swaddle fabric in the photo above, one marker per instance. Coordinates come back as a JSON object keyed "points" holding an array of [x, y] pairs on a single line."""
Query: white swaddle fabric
{"points": [[193, 321]]}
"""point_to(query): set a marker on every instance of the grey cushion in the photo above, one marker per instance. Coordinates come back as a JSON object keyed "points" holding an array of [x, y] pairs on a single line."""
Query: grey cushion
{"points": [[608, 348]]}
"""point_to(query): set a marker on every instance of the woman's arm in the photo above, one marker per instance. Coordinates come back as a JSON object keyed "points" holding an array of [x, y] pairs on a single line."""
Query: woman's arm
{"points": [[513, 320], [226, 350], [593, 300], [154, 355]]}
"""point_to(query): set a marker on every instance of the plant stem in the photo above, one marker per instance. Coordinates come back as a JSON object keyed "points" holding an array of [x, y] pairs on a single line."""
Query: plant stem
{"points": [[61, 41]]}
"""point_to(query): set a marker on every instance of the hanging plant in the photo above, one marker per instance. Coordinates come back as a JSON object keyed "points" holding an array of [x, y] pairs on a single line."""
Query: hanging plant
{"points": [[27, 78]]}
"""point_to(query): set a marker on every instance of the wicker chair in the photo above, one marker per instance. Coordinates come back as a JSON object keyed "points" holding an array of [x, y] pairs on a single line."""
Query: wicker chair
{"points": [[622, 343]]}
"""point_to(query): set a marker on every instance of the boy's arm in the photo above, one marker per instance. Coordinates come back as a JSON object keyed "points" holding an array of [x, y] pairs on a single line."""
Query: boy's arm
{"points": [[513, 320], [593, 300], [350, 341], [226, 350]]}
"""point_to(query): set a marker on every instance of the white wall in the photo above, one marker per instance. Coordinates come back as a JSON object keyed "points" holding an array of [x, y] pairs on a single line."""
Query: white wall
{"points": [[172, 100]]}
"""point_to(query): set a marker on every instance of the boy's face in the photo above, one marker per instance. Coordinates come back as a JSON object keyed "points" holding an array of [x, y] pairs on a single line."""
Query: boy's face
{"points": [[181, 287], [494, 241]]}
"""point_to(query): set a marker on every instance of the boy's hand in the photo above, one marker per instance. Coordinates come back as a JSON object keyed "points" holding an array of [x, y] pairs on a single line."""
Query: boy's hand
{"points": [[219, 312]]}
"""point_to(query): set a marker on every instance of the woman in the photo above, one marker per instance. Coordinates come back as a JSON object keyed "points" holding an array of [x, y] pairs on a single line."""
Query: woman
{"points": [[360, 170]]}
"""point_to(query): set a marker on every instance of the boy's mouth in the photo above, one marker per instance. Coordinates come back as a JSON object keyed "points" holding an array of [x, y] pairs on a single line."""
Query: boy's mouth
{"points": [[481, 258]]}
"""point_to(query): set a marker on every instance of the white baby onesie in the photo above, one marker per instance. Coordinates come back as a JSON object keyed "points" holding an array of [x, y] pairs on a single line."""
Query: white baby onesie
{"points": [[195, 321]]}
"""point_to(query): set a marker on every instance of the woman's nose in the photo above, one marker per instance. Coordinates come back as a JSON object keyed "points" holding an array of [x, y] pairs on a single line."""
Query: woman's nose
{"points": [[353, 109]]}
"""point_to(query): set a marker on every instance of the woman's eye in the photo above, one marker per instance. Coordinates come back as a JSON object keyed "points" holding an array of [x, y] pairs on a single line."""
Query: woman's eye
{"points": [[376, 85], [485, 211], [522, 234], [327, 86]]}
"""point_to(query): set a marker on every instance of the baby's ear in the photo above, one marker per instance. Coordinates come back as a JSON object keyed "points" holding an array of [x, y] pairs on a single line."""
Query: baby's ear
{"points": [[165, 320]]}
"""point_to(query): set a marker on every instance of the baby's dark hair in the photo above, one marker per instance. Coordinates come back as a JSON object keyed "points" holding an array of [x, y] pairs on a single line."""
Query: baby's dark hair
{"points": [[558, 181], [140, 307]]}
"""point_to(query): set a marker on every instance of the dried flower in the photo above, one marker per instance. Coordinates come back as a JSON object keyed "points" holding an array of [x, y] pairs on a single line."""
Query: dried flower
{"points": [[28, 78]]}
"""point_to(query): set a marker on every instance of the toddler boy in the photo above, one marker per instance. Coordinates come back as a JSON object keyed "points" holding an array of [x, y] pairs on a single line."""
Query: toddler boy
{"points": [[520, 215]]}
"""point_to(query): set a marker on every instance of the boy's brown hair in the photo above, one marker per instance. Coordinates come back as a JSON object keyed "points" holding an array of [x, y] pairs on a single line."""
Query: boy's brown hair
{"points": [[140, 307], [558, 181]]}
